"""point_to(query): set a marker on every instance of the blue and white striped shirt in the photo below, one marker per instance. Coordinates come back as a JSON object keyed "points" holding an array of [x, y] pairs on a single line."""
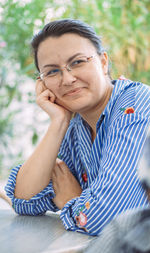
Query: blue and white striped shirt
{"points": [[110, 163]]}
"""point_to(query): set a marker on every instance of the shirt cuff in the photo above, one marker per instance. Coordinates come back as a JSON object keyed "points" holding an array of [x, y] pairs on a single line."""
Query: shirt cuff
{"points": [[38, 204], [74, 216]]}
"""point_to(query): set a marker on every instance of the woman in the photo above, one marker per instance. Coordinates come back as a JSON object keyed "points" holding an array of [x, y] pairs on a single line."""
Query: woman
{"points": [[95, 177]]}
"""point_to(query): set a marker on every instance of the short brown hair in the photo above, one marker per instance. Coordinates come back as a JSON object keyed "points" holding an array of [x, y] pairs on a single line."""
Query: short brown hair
{"points": [[59, 27]]}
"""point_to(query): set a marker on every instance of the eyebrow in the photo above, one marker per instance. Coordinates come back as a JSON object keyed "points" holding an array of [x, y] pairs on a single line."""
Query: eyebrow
{"points": [[56, 65]]}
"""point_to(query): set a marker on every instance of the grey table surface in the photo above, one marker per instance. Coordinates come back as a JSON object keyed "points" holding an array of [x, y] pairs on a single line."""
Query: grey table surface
{"points": [[38, 234]]}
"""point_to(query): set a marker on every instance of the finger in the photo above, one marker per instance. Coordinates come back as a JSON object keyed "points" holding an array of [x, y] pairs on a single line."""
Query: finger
{"points": [[46, 95], [63, 167], [58, 160], [55, 187], [54, 176], [58, 172], [52, 97], [40, 87], [54, 180], [59, 164]]}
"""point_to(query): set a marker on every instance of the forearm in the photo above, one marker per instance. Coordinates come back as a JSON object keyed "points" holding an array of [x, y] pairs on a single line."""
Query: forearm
{"points": [[36, 172]]}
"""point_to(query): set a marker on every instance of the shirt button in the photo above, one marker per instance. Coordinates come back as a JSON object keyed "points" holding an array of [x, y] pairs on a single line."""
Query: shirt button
{"points": [[84, 177]]}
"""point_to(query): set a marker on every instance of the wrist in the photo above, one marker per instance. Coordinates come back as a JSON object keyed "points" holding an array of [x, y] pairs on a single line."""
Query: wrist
{"points": [[60, 121], [59, 126]]}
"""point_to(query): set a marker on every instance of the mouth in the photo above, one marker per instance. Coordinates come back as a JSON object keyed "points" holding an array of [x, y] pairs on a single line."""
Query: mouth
{"points": [[73, 92]]}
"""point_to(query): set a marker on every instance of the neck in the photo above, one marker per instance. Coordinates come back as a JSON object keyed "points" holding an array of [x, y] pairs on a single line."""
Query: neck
{"points": [[92, 116]]}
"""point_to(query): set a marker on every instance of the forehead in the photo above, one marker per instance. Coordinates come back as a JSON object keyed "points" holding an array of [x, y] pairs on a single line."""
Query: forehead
{"points": [[60, 48]]}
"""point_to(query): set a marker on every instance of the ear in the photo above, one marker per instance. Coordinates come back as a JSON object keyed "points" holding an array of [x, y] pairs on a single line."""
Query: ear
{"points": [[104, 62]]}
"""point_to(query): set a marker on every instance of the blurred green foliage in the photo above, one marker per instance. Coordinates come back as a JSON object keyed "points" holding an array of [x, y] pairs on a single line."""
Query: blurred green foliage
{"points": [[123, 24]]}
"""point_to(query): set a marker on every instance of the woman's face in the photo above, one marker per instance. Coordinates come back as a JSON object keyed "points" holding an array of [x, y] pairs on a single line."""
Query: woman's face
{"points": [[80, 90]]}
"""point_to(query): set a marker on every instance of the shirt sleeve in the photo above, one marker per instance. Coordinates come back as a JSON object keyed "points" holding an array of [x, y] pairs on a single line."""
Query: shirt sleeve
{"points": [[41, 202], [37, 205], [116, 187]]}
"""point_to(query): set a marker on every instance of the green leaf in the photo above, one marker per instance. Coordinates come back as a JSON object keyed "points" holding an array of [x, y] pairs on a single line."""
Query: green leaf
{"points": [[34, 138]]}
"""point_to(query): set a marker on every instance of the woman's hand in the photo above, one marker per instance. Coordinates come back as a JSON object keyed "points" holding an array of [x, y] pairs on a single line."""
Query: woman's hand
{"points": [[46, 100], [65, 185]]}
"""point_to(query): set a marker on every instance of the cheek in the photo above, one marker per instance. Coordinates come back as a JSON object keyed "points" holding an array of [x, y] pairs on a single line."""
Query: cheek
{"points": [[47, 85], [95, 76], [53, 89]]}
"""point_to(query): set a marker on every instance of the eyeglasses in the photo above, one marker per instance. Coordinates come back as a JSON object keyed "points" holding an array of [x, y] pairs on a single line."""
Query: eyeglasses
{"points": [[75, 66]]}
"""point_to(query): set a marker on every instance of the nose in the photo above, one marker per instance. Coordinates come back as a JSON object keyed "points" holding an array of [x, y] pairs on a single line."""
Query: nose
{"points": [[67, 77]]}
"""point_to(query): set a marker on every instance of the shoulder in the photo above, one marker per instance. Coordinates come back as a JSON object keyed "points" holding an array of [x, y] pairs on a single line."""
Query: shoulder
{"points": [[128, 95], [142, 99]]}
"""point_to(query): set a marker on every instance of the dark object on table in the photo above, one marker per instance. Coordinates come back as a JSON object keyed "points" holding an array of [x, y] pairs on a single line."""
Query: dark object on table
{"points": [[144, 166], [128, 233]]}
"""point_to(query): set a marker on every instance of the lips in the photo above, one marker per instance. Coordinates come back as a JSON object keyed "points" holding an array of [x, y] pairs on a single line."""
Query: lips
{"points": [[73, 92]]}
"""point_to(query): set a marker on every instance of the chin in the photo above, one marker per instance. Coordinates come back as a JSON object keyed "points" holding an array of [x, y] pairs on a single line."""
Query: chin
{"points": [[78, 106]]}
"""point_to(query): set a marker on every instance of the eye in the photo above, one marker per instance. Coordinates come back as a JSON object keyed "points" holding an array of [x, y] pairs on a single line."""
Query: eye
{"points": [[77, 62], [52, 72]]}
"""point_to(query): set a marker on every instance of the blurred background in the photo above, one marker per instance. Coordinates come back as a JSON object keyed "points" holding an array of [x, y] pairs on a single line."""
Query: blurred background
{"points": [[124, 26]]}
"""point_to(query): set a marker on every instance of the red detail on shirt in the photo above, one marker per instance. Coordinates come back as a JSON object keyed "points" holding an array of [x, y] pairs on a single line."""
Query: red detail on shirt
{"points": [[82, 219], [129, 110], [84, 177]]}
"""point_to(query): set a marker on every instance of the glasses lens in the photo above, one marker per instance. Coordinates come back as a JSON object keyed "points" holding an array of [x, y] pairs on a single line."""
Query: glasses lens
{"points": [[77, 63]]}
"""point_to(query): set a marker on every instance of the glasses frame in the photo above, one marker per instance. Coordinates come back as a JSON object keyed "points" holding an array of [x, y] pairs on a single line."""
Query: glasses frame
{"points": [[67, 67]]}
